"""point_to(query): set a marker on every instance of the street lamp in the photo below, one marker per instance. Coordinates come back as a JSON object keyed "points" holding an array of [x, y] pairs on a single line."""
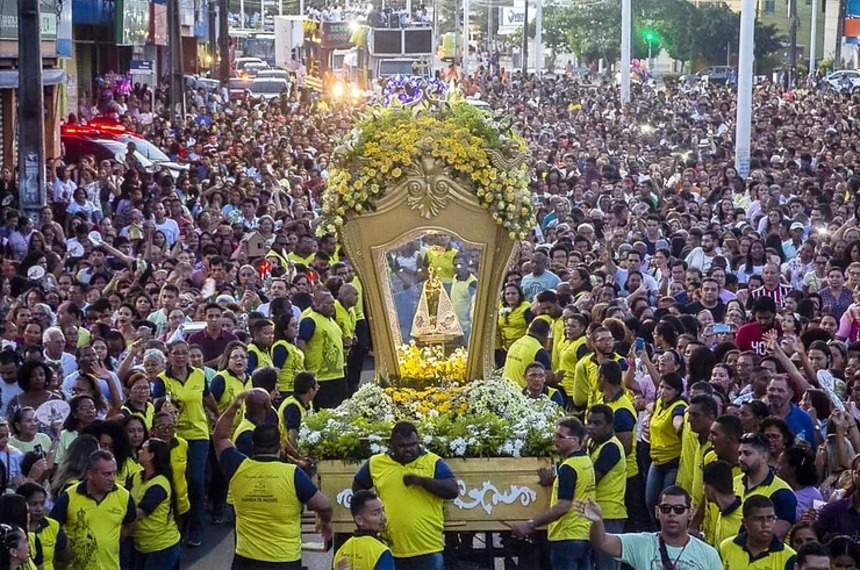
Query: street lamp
{"points": [[650, 36]]}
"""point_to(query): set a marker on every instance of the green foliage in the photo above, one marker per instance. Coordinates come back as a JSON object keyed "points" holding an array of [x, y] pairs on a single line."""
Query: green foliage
{"points": [[558, 23], [825, 64]]}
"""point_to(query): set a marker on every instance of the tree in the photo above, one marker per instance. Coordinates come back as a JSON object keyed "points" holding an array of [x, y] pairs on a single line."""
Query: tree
{"points": [[719, 27], [595, 29], [556, 27]]}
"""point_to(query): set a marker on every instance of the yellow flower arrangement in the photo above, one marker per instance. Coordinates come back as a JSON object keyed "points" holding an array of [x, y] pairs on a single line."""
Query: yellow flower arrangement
{"points": [[474, 146], [413, 403], [429, 363]]}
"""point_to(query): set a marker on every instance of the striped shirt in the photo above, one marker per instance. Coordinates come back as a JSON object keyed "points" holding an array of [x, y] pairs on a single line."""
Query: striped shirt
{"points": [[778, 295]]}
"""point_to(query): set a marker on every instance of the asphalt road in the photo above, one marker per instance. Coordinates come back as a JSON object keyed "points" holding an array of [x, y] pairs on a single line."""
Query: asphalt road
{"points": [[217, 551]]}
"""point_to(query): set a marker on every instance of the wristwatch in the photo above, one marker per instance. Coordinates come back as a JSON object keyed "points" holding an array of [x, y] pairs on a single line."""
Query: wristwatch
{"points": [[531, 524]]}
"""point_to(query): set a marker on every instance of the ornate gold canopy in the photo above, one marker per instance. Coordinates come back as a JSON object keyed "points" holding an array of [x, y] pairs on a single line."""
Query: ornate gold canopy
{"points": [[428, 202]]}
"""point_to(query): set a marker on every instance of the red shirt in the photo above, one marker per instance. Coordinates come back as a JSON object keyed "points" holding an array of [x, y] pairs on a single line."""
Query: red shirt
{"points": [[749, 337]]}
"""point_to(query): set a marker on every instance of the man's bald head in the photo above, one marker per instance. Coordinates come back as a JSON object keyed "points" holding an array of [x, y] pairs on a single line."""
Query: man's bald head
{"points": [[257, 403]]}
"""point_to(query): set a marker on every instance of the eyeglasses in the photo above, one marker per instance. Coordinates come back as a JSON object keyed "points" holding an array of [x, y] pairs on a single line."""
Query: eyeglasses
{"points": [[677, 509]]}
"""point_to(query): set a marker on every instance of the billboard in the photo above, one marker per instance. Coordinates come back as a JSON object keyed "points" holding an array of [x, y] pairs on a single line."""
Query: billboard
{"points": [[511, 19]]}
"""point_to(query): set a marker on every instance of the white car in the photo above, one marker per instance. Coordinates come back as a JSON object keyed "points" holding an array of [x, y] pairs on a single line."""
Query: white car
{"points": [[268, 88], [273, 74], [846, 79], [240, 63]]}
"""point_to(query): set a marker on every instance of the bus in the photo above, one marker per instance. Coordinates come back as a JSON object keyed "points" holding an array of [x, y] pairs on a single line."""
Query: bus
{"points": [[250, 43]]}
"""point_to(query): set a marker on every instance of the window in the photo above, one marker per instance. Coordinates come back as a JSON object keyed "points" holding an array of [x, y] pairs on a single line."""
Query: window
{"points": [[769, 6]]}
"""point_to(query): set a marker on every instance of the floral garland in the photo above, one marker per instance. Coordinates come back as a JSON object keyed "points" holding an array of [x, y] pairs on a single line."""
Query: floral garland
{"points": [[476, 148], [487, 418]]}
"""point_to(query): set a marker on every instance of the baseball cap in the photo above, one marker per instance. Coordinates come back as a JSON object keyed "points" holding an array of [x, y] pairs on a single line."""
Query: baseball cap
{"points": [[796, 226]]}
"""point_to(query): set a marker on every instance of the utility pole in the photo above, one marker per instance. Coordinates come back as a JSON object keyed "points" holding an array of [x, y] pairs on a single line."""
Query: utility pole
{"points": [[745, 74], [224, 41], [792, 41], [31, 111], [525, 61], [465, 37], [458, 55], [626, 18], [213, 34], [177, 82], [813, 40], [538, 36]]}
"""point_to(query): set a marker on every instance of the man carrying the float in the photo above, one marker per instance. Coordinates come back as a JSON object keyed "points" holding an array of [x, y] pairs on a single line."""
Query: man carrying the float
{"points": [[413, 484]]}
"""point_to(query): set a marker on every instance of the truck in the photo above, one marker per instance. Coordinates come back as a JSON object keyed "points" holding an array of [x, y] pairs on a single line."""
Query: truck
{"points": [[289, 38], [399, 51]]}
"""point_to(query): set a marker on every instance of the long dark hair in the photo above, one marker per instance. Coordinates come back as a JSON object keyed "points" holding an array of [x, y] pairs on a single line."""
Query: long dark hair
{"points": [[116, 431], [75, 463], [161, 465], [72, 423], [10, 536]]}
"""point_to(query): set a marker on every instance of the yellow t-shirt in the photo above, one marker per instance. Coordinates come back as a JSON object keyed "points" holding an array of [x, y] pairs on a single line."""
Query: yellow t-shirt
{"points": [[415, 519], [572, 525], [736, 557], [93, 528], [665, 441], [50, 536], [520, 354], [157, 530], [610, 490], [293, 363], [188, 398], [264, 496], [363, 550]]}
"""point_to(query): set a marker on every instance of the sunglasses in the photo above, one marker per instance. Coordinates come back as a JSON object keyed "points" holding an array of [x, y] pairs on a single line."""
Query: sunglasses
{"points": [[678, 509]]}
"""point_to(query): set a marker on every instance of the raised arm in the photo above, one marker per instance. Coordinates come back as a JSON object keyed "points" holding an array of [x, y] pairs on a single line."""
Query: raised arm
{"points": [[607, 543]]}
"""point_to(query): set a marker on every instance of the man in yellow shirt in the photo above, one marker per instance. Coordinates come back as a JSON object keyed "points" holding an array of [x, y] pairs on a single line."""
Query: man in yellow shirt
{"points": [[344, 316], [567, 529], [96, 515], [413, 484], [610, 475], [268, 495], [585, 391], [364, 550], [322, 342], [526, 350], [695, 446], [727, 514], [757, 547]]}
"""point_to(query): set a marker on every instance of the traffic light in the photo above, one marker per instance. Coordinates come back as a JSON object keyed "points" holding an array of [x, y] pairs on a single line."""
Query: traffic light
{"points": [[649, 36]]}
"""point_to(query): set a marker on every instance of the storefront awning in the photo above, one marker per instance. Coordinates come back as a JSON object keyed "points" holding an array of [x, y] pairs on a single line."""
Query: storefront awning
{"points": [[9, 77]]}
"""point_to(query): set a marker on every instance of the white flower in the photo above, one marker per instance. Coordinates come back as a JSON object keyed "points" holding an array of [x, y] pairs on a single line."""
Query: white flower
{"points": [[376, 448], [458, 447]]}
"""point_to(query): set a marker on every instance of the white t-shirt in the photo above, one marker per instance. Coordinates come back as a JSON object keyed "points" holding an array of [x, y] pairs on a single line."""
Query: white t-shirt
{"points": [[642, 552], [170, 229], [8, 391]]}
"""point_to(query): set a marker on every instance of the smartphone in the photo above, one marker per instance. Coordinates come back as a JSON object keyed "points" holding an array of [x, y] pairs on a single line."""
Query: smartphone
{"points": [[722, 328], [38, 449], [640, 344]]}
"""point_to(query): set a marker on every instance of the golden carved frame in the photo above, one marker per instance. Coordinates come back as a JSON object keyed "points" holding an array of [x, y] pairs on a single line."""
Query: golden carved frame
{"points": [[428, 200]]}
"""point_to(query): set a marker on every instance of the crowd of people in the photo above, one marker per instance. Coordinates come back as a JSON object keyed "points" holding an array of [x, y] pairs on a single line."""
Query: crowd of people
{"points": [[163, 338]]}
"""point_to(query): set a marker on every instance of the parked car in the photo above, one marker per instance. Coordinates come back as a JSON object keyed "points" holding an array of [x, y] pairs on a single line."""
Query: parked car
{"points": [[240, 62], [714, 73], [268, 88], [847, 80], [252, 69], [238, 87]]}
